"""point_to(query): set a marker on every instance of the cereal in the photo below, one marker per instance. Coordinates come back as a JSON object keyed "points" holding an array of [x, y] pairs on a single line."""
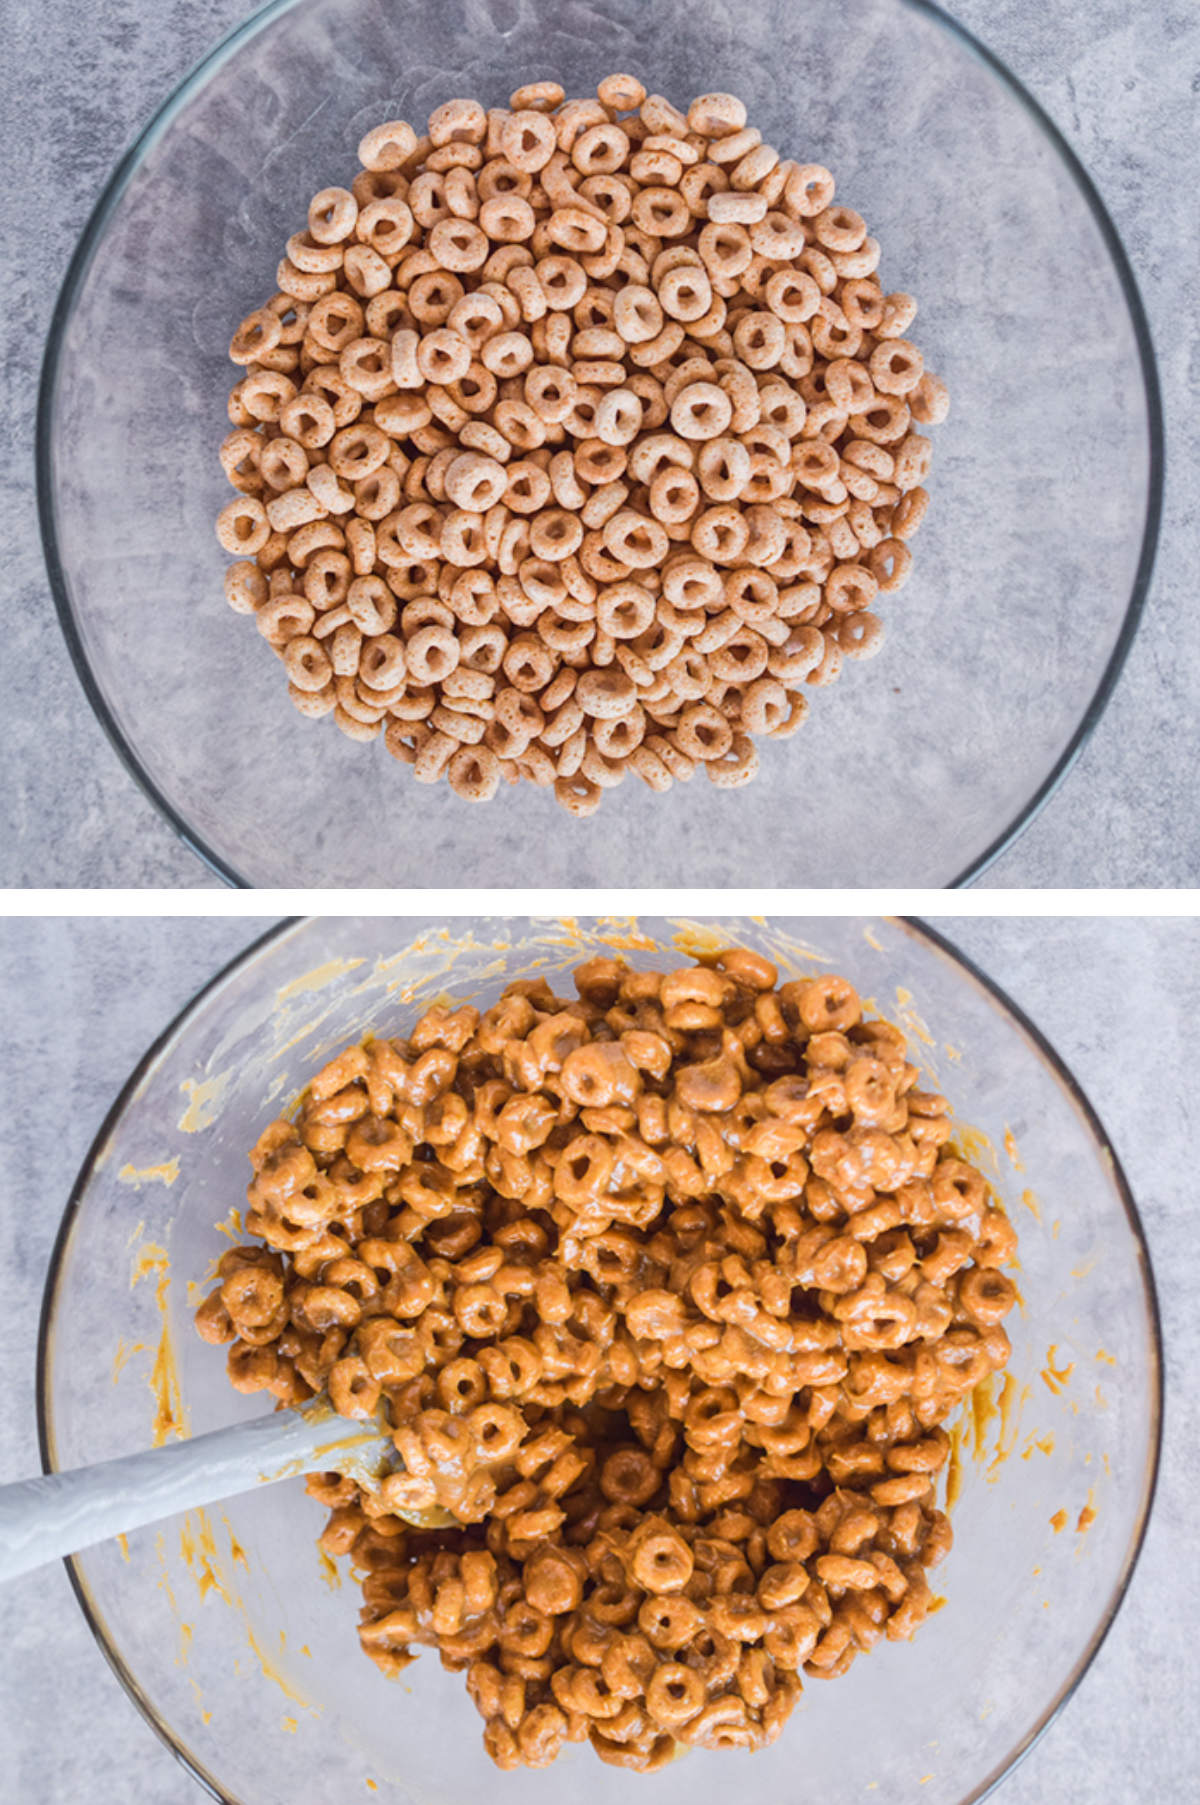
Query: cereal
{"points": [[666, 1292], [571, 367]]}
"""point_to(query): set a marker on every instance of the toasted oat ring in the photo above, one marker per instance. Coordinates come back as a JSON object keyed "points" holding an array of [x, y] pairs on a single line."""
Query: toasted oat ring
{"points": [[308, 419], [371, 605], [307, 664], [574, 230], [474, 773], [283, 618], [674, 496], [809, 190], [475, 482], [648, 763], [606, 693], [463, 541], [507, 354], [701, 411], [527, 140], [816, 464], [662, 212], [358, 451], [637, 314], [703, 732], [537, 97], [909, 512], [624, 610], [561, 282], [635, 540], [578, 795], [618, 737], [738, 766], [890, 563], [885, 422], [308, 285], [759, 340], [312, 703], [896, 368], [829, 669], [685, 292], [720, 534], [555, 535], [382, 663], [726, 208], [385, 225], [332, 216], [335, 321], [848, 385], [930, 400], [365, 365], [552, 393], [433, 756], [860, 635], [265, 392], [245, 586], [353, 727], [600, 150], [431, 654], [457, 121], [716, 115], [623, 93], [913, 458], [753, 595], [528, 664], [862, 304], [741, 658], [765, 706], [315, 260], [258, 334], [458, 244], [850, 588], [618, 417], [242, 526], [725, 250], [775, 236], [723, 468], [801, 652], [241, 457], [442, 356], [839, 228], [388, 146], [730, 150], [507, 219]]}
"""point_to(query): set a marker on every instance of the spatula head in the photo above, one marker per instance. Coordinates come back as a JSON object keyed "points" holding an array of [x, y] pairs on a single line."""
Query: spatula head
{"points": [[362, 1449]]}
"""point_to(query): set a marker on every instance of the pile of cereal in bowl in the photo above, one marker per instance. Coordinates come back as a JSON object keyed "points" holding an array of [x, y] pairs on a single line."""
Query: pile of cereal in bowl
{"points": [[578, 441], [666, 1294]]}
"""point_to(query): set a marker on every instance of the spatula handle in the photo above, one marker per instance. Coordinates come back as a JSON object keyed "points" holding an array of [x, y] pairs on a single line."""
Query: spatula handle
{"points": [[59, 1513]]}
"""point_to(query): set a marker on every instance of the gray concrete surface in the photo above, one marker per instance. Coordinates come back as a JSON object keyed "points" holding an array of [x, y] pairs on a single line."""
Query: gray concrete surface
{"points": [[1117, 999], [75, 85]]}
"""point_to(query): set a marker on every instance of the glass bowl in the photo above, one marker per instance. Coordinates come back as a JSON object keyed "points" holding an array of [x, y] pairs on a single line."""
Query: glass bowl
{"points": [[1030, 572], [238, 1641]]}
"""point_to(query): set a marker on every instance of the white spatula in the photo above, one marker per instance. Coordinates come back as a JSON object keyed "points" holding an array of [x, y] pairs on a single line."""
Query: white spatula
{"points": [[59, 1513]]}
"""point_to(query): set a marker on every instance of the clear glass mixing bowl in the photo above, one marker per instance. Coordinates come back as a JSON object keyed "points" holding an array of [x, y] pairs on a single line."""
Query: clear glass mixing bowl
{"points": [[1030, 572], [231, 1633]]}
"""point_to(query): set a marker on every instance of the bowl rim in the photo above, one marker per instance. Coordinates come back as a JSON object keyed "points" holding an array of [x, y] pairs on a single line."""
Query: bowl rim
{"points": [[115, 189], [922, 930]]}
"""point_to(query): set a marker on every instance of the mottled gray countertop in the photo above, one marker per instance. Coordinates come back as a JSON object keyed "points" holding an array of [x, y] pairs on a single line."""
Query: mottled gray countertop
{"points": [[76, 84], [1117, 999]]}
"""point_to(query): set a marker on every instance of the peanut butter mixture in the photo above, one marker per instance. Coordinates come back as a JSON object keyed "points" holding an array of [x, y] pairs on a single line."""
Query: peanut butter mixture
{"points": [[666, 1292]]}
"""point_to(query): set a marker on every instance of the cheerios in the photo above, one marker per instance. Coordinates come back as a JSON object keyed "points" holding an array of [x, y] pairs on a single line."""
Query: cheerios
{"points": [[596, 393], [670, 1291]]}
